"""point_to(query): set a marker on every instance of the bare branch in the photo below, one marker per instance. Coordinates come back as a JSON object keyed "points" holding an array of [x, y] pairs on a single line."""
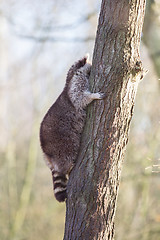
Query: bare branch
{"points": [[55, 39]]}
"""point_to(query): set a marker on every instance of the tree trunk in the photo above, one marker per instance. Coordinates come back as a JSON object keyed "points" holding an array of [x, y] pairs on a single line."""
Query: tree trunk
{"points": [[94, 181], [151, 37]]}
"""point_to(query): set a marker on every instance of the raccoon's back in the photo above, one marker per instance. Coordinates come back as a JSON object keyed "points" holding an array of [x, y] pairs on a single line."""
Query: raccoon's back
{"points": [[61, 127]]}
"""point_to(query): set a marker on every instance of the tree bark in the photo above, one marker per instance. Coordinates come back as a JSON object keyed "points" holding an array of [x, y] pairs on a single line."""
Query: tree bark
{"points": [[94, 181]]}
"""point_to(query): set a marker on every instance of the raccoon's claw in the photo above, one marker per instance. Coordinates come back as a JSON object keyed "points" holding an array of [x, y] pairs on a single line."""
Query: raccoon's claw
{"points": [[102, 95]]}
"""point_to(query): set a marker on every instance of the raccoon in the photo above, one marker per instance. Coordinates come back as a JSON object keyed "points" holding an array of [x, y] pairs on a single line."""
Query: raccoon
{"points": [[62, 126]]}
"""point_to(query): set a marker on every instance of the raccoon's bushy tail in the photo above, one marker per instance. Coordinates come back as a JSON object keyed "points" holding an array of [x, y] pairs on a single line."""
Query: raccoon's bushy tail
{"points": [[59, 185]]}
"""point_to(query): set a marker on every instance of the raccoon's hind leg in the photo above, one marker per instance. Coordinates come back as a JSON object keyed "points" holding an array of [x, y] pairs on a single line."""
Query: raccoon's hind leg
{"points": [[59, 185]]}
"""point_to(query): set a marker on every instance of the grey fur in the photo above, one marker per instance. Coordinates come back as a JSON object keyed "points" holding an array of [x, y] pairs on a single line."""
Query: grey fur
{"points": [[62, 126]]}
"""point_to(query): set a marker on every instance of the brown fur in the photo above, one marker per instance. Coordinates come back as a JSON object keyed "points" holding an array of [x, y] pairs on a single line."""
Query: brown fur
{"points": [[62, 126]]}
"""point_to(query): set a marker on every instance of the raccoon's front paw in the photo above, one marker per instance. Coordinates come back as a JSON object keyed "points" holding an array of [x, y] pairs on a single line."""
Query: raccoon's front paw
{"points": [[100, 95]]}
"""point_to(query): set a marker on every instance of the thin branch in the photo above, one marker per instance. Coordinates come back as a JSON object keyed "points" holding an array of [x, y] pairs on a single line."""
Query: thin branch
{"points": [[71, 25], [55, 39], [50, 28]]}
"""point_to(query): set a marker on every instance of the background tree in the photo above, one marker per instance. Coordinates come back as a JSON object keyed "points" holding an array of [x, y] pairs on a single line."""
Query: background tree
{"points": [[151, 27], [94, 182]]}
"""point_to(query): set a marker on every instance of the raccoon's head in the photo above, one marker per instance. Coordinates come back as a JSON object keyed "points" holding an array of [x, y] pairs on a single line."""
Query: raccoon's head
{"points": [[76, 66]]}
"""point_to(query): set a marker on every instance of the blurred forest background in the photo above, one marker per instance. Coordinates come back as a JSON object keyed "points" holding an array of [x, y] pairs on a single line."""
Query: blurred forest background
{"points": [[39, 41]]}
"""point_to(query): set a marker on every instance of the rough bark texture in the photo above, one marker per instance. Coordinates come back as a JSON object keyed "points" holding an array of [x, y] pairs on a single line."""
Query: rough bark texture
{"points": [[94, 182]]}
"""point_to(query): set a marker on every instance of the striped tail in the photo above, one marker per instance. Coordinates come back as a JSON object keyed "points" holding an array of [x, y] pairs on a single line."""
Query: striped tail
{"points": [[59, 185]]}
